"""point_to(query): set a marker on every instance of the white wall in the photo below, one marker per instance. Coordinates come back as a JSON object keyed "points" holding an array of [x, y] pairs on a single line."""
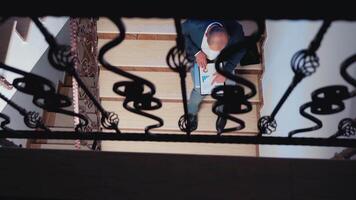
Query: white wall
{"points": [[25, 54], [38, 64], [284, 38]]}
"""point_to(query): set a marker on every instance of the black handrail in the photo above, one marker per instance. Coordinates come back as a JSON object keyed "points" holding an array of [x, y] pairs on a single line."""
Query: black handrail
{"points": [[227, 139]]}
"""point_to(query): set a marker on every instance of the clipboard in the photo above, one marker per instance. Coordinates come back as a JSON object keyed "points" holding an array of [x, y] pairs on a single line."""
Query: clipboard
{"points": [[206, 77]]}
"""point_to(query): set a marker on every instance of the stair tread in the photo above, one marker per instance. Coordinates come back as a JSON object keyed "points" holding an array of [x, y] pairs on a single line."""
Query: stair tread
{"points": [[156, 26], [139, 25], [180, 148], [167, 84], [148, 53], [170, 113], [58, 146], [62, 147]]}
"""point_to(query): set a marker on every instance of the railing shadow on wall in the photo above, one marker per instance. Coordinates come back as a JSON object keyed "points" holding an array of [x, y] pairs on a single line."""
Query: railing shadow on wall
{"points": [[234, 98]]}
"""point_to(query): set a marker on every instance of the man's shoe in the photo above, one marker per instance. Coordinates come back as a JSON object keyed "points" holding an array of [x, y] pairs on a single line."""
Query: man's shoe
{"points": [[193, 122], [220, 124]]}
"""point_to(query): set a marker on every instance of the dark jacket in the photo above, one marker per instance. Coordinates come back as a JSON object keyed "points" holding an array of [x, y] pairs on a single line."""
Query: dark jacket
{"points": [[194, 30]]}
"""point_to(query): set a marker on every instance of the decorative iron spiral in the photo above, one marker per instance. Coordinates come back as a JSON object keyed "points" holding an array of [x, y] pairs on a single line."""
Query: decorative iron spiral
{"points": [[346, 128], [34, 120], [31, 119], [136, 100], [303, 63], [267, 125], [329, 100], [60, 58], [233, 98]]}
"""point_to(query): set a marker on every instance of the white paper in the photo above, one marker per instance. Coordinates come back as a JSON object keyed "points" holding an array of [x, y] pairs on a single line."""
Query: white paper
{"points": [[206, 78]]}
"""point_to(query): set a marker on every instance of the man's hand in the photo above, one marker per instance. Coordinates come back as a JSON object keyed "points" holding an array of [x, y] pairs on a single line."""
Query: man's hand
{"points": [[218, 78], [200, 58]]}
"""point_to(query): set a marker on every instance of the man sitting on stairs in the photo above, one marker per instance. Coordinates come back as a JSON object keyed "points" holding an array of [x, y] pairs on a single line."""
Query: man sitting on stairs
{"points": [[204, 40]]}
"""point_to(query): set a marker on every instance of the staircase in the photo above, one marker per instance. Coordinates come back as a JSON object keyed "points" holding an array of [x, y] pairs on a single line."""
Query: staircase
{"points": [[143, 53]]}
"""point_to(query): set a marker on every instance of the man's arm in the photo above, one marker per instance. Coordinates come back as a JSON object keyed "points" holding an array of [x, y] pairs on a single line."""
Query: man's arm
{"points": [[234, 60], [190, 47], [230, 65], [236, 34]]}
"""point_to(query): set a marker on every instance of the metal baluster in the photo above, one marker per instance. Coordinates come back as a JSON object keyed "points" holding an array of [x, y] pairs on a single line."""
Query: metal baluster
{"points": [[177, 61], [304, 63], [233, 98], [329, 100], [136, 100]]}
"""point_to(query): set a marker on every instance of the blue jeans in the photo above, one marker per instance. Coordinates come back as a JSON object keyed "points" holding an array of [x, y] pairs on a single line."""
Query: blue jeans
{"points": [[195, 97]]}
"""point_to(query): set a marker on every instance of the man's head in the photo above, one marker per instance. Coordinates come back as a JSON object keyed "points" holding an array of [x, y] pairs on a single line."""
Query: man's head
{"points": [[217, 37]]}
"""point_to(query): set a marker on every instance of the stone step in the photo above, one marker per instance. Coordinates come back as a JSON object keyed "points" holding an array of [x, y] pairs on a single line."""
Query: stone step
{"points": [[137, 28], [167, 85], [59, 147], [180, 148], [171, 112], [152, 29], [151, 55]]}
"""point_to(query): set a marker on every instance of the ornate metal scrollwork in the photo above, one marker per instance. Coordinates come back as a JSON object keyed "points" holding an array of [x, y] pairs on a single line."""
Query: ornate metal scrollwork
{"points": [[136, 100], [60, 58], [44, 94], [304, 63], [329, 100], [346, 128], [31, 119]]}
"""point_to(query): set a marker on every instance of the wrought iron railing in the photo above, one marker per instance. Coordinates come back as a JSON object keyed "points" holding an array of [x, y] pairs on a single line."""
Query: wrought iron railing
{"points": [[233, 98]]}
